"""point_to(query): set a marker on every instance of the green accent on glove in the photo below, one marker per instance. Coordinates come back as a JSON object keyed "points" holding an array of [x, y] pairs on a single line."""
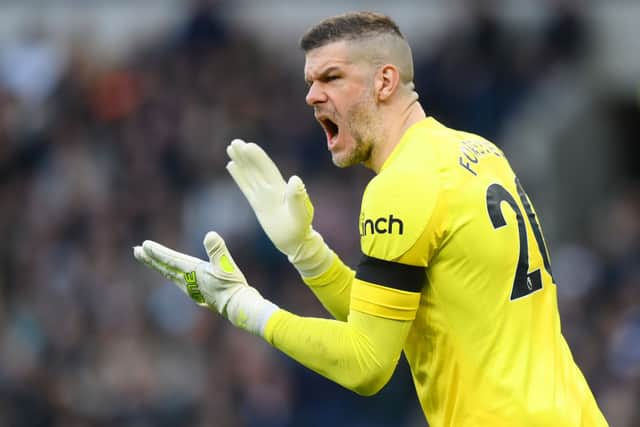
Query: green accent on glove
{"points": [[226, 264], [192, 287], [218, 284], [242, 320]]}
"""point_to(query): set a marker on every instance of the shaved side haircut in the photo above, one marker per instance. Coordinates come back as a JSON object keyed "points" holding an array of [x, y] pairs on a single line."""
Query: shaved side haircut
{"points": [[374, 37], [350, 26]]}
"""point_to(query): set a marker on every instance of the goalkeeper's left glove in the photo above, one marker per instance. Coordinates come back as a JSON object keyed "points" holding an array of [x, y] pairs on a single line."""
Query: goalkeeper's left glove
{"points": [[283, 208], [218, 284]]}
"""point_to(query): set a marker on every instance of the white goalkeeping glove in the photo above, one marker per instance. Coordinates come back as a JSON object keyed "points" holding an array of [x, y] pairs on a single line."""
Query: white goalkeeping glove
{"points": [[283, 209], [218, 284]]}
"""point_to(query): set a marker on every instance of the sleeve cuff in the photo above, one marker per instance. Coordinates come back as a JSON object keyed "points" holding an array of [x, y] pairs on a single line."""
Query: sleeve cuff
{"points": [[333, 274], [272, 323]]}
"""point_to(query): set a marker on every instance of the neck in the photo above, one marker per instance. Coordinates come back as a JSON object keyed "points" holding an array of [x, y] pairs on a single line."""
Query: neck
{"points": [[394, 128]]}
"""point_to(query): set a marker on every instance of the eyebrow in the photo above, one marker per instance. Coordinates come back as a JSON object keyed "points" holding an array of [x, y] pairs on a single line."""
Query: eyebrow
{"points": [[324, 73]]}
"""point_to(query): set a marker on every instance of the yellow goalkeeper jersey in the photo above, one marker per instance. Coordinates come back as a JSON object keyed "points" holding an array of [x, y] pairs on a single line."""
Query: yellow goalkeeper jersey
{"points": [[485, 348]]}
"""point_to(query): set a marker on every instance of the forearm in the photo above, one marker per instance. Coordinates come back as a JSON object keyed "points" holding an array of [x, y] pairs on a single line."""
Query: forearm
{"points": [[360, 354]]}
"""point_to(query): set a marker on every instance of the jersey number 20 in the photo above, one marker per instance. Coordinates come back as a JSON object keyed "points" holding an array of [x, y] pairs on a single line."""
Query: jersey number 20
{"points": [[524, 282]]}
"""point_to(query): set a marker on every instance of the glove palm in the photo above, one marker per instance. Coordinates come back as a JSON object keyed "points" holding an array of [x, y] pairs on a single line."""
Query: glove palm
{"points": [[283, 208], [208, 283], [218, 284]]}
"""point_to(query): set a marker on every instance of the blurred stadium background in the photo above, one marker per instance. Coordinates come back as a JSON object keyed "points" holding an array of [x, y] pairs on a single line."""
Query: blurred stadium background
{"points": [[114, 116]]}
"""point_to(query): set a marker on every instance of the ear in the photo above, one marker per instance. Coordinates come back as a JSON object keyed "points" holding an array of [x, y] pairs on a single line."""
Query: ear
{"points": [[387, 81]]}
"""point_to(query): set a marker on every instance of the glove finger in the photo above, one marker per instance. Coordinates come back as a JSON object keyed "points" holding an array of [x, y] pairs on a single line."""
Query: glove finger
{"points": [[185, 280], [218, 252], [169, 257], [298, 200], [249, 177], [143, 257], [245, 186], [265, 169], [233, 149], [236, 151]]}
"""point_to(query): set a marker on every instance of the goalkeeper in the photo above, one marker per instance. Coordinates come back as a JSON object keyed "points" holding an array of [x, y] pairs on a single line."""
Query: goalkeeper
{"points": [[454, 271]]}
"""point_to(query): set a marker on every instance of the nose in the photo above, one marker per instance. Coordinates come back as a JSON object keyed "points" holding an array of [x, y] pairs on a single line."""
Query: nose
{"points": [[315, 95]]}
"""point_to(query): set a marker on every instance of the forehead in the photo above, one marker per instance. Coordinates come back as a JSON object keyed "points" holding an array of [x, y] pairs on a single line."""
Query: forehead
{"points": [[334, 54]]}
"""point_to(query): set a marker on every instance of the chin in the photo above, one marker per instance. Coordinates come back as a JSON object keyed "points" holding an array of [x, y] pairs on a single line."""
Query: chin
{"points": [[344, 160], [341, 160], [340, 164], [352, 153]]}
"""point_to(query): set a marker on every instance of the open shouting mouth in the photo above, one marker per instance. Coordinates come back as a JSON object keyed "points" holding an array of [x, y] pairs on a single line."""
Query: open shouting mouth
{"points": [[331, 129]]}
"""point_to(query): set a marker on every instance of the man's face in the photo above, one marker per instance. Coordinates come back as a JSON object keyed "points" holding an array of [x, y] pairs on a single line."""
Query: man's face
{"points": [[341, 92]]}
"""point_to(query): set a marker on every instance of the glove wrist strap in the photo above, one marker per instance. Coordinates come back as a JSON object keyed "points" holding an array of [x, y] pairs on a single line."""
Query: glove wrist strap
{"points": [[312, 257], [248, 310]]}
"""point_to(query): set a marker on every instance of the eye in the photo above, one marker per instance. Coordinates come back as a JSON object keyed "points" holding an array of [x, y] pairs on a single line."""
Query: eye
{"points": [[332, 78]]}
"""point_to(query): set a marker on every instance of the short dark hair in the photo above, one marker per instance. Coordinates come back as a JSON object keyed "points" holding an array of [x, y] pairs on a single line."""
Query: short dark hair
{"points": [[349, 26]]}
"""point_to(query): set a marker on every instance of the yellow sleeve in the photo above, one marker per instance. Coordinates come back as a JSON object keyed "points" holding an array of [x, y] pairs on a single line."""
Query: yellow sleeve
{"points": [[359, 354], [333, 288]]}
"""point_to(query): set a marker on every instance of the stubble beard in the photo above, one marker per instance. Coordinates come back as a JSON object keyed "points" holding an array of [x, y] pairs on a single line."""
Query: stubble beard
{"points": [[363, 128]]}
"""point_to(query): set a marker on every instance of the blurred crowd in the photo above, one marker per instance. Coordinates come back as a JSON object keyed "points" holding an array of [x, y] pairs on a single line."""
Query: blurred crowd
{"points": [[95, 158]]}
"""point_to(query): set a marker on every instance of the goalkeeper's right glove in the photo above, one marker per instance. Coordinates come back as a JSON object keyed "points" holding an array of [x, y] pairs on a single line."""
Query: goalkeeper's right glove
{"points": [[218, 284], [283, 209]]}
